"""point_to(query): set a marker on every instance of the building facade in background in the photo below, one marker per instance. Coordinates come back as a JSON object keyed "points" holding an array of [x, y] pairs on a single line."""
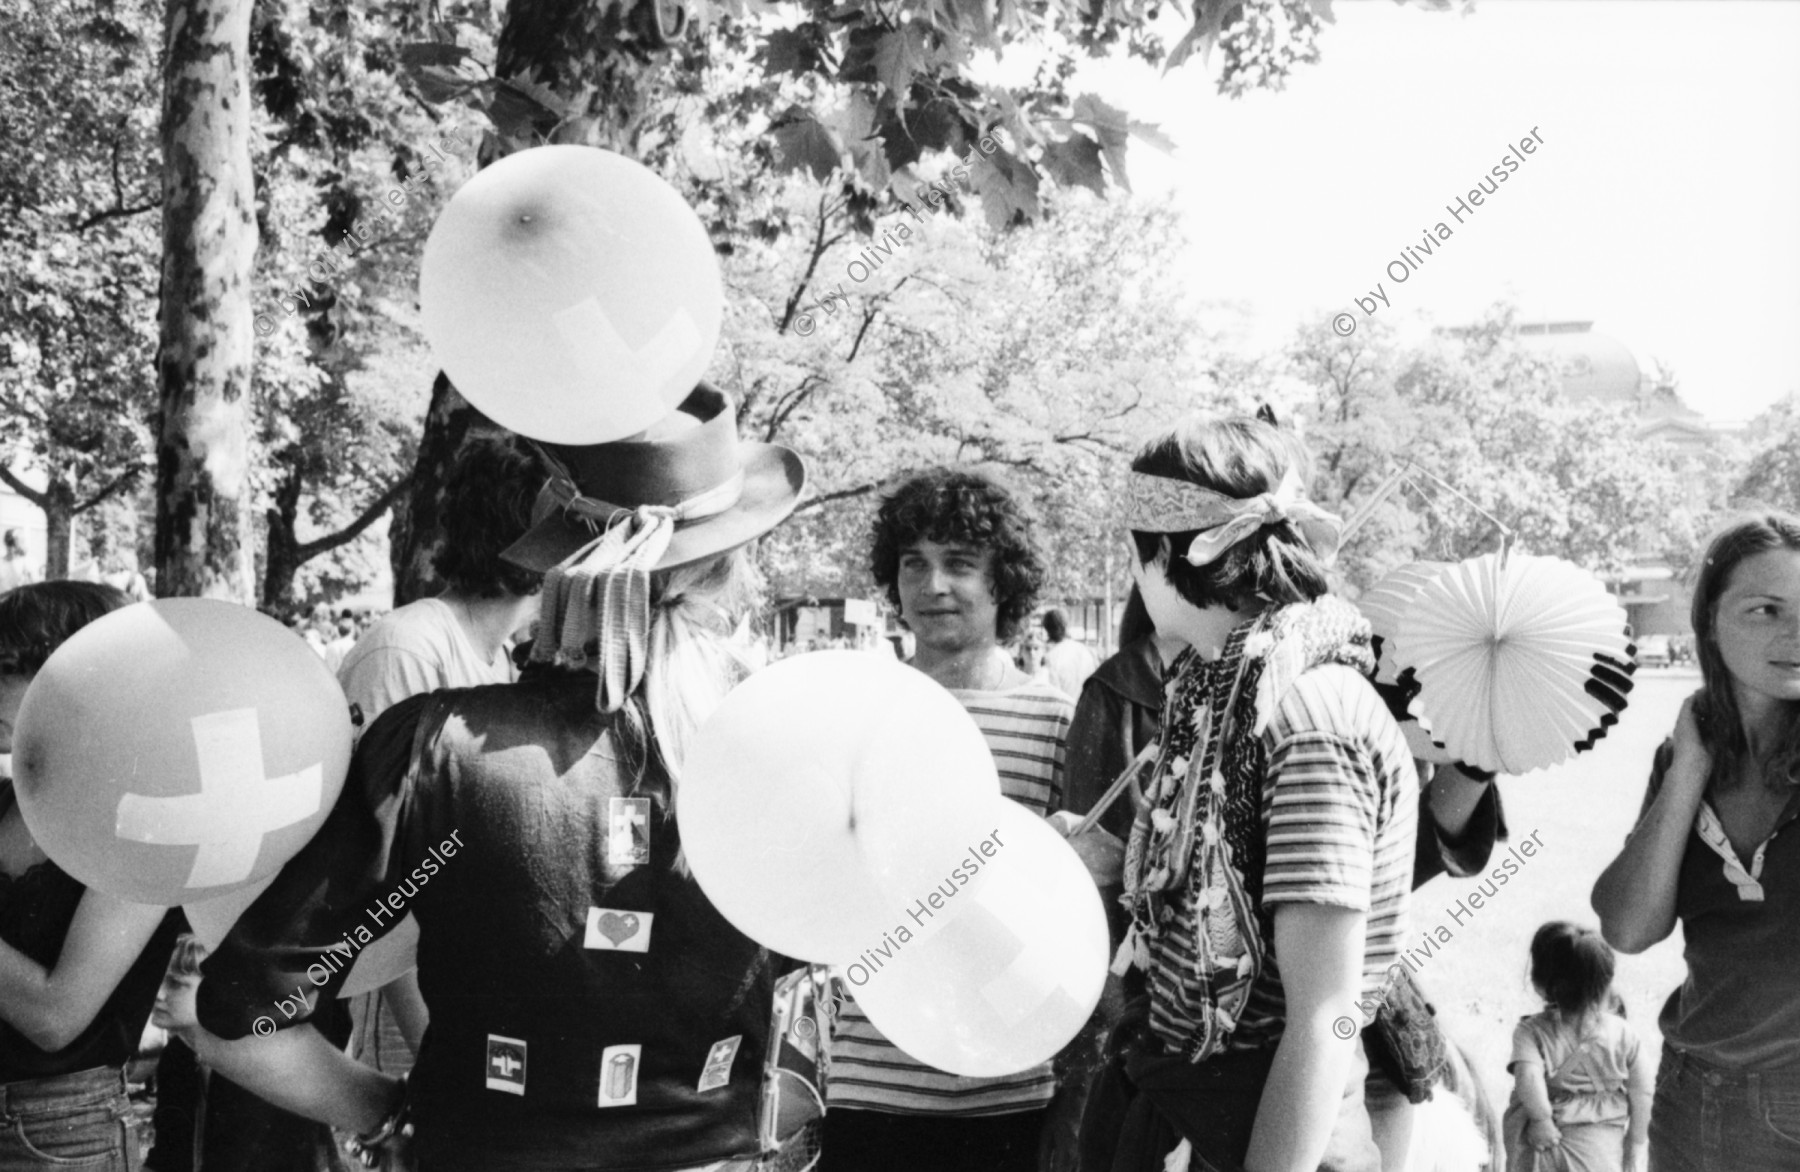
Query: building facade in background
{"points": [[1595, 365]]}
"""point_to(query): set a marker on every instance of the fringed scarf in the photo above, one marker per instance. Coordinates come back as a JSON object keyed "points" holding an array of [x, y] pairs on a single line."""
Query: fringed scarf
{"points": [[600, 594], [1198, 845]]}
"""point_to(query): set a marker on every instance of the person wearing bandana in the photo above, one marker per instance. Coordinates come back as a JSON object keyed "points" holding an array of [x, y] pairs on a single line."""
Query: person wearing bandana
{"points": [[590, 1008], [1269, 869]]}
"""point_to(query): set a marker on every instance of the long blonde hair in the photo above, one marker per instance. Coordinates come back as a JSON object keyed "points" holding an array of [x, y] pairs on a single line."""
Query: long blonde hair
{"points": [[694, 658]]}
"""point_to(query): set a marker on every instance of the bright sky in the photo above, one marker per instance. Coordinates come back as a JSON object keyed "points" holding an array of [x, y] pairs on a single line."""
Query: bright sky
{"points": [[1663, 205]]}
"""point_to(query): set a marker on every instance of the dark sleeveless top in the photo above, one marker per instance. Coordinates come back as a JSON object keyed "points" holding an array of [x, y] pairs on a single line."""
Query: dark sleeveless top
{"points": [[485, 812], [36, 910]]}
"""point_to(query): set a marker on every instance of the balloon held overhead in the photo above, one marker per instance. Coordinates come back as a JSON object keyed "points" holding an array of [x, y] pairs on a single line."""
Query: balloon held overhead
{"points": [[571, 294]]}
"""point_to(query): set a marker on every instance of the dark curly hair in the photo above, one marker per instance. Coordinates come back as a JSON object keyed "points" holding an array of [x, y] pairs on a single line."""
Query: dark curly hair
{"points": [[487, 506], [1238, 457], [960, 506], [37, 618]]}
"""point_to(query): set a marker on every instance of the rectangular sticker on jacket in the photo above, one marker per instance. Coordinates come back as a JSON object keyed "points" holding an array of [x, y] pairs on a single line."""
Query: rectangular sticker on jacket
{"points": [[628, 832], [619, 1075], [717, 1072], [615, 931], [505, 1064]]}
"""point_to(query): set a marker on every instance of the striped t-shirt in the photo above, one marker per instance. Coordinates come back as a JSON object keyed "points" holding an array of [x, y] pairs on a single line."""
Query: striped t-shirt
{"points": [[1340, 809], [1025, 728]]}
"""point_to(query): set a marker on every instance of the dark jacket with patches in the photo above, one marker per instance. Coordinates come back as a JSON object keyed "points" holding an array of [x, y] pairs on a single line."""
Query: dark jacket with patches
{"points": [[523, 774]]}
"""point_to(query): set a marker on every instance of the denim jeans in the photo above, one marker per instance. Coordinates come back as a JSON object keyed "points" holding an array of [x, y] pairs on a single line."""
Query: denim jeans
{"points": [[1711, 1119], [74, 1121]]}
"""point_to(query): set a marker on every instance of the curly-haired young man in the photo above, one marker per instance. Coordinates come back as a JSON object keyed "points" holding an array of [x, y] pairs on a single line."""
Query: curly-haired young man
{"points": [[956, 553]]}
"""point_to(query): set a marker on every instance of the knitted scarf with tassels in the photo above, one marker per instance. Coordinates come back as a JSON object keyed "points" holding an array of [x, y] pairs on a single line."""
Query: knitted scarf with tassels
{"points": [[1193, 870]]}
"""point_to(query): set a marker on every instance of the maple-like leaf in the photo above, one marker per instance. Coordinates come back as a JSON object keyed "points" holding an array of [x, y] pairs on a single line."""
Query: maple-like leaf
{"points": [[1111, 126], [438, 83], [421, 53], [899, 56], [1008, 188], [792, 51], [856, 128], [1075, 162], [974, 13], [516, 113], [1209, 18], [807, 144]]}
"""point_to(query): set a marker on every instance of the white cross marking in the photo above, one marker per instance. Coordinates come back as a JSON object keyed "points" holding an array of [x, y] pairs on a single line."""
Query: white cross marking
{"points": [[507, 1064], [236, 806], [634, 816]]}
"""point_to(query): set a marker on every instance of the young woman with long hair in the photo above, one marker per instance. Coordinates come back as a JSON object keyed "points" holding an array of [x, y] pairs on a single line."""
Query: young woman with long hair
{"points": [[1716, 850]]}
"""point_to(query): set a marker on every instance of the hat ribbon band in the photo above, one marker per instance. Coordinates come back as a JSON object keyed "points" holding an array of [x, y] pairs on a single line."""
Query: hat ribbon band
{"points": [[598, 514]]}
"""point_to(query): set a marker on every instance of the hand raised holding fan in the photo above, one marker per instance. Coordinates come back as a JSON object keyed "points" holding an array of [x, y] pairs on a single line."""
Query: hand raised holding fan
{"points": [[1521, 661]]}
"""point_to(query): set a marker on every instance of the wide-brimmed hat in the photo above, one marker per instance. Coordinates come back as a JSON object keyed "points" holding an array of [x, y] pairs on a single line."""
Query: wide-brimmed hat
{"points": [[724, 491]]}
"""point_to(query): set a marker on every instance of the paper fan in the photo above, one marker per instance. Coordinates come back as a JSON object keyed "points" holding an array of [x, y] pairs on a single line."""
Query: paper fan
{"points": [[1521, 660], [1386, 602]]}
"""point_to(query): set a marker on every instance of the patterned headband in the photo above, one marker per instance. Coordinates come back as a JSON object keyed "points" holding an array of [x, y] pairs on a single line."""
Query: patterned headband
{"points": [[1157, 504]]}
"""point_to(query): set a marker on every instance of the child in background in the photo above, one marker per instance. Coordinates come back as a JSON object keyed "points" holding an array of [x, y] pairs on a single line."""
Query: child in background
{"points": [[1582, 1084], [206, 1123]]}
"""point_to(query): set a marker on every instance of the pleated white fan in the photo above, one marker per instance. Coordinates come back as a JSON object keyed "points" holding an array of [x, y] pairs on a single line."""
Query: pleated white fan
{"points": [[1386, 602], [1521, 661]]}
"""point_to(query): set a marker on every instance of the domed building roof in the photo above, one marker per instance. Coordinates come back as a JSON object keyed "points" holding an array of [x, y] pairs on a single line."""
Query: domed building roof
{"points": [[1592, 365]]}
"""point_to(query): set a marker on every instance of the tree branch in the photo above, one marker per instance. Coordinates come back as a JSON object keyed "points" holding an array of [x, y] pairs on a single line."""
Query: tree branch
{"points": [[788, 404], [120, 483], [41, 500], [113, 213], [841, 494], [306, 551]]}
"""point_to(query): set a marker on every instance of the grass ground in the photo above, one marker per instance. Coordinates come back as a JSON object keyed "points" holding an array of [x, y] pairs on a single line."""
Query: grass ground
{"points": [[1580, 811]]}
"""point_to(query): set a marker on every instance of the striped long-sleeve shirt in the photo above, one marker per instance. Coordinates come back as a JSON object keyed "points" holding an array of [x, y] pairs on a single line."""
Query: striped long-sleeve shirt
{"points": [[1026, 728]]}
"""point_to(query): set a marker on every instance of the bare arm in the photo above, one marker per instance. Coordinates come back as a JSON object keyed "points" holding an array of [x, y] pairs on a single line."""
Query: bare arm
{"points": [[1452, 797], [403, 997], [1321, 975], [1640, 1087], [52, 1007], [298, 1070], [1635, 895], [1534, 1096]]}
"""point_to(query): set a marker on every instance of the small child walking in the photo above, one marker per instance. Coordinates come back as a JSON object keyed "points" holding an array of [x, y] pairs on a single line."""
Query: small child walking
{"points": [[1582, 1084]]}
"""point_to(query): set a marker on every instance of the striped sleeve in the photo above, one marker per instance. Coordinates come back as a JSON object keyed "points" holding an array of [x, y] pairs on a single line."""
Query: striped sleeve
{"points": [[1342, 801], [1321, 824], [1332, 794]]}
